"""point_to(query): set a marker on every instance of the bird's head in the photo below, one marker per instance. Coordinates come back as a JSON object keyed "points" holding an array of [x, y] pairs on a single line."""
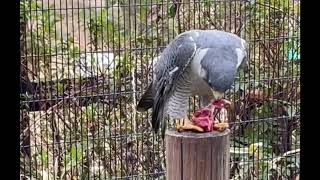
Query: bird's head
{"points": [[221, 79]]}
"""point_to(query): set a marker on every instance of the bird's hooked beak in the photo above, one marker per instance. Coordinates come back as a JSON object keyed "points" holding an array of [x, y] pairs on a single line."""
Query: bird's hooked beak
{"points": [[217, 94]]}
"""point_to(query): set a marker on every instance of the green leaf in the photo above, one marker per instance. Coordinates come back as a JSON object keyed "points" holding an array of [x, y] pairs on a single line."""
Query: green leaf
{"points": [[60, 87], [43, 156], [171, 11], [250, 134], [51, 6], [34, 5], [75, 52], [255, 146], [207, 3], [76, 153], [143, 12]]}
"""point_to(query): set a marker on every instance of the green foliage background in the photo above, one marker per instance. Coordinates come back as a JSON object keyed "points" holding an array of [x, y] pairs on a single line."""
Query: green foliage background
{"points": [[87, 127]]}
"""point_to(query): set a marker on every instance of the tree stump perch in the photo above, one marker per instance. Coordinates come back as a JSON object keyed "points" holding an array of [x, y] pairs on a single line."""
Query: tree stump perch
{"points": [[197, 156]]}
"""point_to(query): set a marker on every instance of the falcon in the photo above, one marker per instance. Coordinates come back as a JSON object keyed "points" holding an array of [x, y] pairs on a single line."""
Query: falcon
{"points": [[196, 62]]}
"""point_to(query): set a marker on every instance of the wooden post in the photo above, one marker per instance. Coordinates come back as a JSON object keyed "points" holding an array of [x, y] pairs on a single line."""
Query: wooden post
{"points": [[197, 156]]}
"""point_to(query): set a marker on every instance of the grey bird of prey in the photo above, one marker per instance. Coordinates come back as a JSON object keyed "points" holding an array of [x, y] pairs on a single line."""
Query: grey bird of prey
{"points": [[196, 62]]}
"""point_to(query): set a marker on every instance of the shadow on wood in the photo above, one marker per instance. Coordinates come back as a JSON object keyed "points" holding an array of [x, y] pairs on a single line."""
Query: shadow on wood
{"points": [[197, 156]]}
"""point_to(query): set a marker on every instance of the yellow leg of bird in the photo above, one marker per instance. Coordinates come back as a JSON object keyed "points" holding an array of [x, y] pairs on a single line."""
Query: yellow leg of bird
{"points": [[185, 125], [220, 126]]}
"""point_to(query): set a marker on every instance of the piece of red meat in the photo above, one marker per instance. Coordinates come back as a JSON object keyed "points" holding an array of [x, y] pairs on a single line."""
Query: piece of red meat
{"points": [[204, 117]]}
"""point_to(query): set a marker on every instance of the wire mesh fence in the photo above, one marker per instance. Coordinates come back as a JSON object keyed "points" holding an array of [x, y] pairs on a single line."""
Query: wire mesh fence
{"points": [[85, 64]]}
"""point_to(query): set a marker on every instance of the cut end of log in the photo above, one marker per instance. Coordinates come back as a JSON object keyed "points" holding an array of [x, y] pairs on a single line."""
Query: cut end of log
{"points": [[190, 134]]}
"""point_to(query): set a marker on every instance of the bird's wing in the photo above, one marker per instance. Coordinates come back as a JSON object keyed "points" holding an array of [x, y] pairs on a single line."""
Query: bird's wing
{"points": [[146, 100], [173, 62]]}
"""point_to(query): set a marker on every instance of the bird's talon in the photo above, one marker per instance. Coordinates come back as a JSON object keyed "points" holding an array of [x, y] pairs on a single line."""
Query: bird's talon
{"points": [[221, 126], [188, 126], [179, 127]]}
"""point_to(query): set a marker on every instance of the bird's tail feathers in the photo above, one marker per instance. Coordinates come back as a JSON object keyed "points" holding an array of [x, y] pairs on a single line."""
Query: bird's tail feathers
{"points": [[157, 114], [163, 128], [156, 102], [146, 101], [158, 109]]}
